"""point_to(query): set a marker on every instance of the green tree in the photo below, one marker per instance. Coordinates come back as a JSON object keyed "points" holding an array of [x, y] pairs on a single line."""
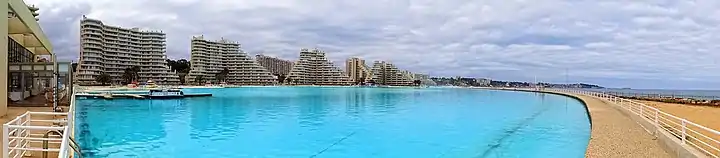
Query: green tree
{"points": [[289, 80], [74, 66], [281, 78], [417, 82], [128, 75], [103, 79], [199, 79], [222, 75], [131, 74]]}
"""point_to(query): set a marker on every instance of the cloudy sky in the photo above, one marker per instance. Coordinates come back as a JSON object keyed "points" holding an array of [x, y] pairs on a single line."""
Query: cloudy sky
{"points": [[615, 43]]}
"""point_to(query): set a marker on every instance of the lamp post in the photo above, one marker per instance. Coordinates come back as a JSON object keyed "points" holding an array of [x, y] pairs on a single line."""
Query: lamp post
{"points": [[57, 83]]}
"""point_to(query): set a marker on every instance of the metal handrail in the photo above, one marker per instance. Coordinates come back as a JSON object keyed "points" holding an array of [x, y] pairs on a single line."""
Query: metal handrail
{"points": [[699, 137], [19, 133], [66, 148]]}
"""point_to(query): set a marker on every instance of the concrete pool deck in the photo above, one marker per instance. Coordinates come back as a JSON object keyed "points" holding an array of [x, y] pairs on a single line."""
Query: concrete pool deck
{"points": [[615, 134]]}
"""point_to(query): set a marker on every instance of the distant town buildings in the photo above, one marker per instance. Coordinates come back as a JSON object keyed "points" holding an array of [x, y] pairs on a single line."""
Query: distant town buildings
{"points": [[483, 81], [357, 70], [313, 68], [208, 59], [385, 73], [111, 50], [275, 66], [421, 77]]}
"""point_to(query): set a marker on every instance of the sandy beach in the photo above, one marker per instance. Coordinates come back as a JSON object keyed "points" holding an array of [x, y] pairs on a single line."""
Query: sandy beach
{"points": [[703, 115], [707, 116]]}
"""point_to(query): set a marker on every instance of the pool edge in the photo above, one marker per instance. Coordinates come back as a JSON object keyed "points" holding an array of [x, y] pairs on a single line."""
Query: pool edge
{"points": [[609, 142]]}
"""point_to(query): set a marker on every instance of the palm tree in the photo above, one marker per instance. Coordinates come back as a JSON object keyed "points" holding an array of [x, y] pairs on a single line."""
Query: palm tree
{"points": [[280, 78], [417, 82], [131, 74], [222, 75], [289, 80], [182, 74], [199, 79], [128, 76], [103, 79], [136, 71]]}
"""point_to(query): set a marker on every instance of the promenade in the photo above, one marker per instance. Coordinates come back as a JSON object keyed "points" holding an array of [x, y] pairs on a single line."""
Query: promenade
{"points": [[614, 134]]}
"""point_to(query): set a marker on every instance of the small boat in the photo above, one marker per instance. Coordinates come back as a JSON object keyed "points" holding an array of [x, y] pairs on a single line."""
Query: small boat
{"points": [[165, 93]]}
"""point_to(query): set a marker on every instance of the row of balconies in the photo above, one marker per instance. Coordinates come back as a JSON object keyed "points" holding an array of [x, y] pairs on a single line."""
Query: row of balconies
{"points": [[110, 38], [119, 31], [105, 38]]}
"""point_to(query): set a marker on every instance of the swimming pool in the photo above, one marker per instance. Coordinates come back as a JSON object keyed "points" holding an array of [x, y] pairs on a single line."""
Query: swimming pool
{"points": [[336, 122]]}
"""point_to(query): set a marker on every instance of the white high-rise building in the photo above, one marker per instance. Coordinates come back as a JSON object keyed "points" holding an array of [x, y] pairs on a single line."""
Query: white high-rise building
{"points": [[385, 73], [313, 68], [357, 70], [209, 58], [111, 50]]}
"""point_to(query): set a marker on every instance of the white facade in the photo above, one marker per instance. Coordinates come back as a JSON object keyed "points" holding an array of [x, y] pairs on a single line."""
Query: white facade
{"points": [[313, 68], [357, 70], [385, 73], [208, 58], [111, 49]]}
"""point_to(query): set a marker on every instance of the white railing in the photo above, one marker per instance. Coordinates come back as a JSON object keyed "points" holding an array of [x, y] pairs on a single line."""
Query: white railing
{"points": [[700, 137], [66, 149], [26, 134]]}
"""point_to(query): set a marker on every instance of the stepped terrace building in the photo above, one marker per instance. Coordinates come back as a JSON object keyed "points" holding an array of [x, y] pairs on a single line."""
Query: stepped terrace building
{"points": [[209, 58], [357, 70], [313, 68], [385, 73], [276, 66], [111, 50]]}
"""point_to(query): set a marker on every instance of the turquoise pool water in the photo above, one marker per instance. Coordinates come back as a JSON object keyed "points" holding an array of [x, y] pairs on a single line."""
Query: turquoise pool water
{"points": [[288, 122]]}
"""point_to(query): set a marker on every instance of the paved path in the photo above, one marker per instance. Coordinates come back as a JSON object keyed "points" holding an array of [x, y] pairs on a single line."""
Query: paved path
{"points": [[615, 134]]}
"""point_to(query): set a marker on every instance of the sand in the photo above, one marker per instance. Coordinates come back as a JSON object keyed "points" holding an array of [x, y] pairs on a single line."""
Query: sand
{"points": [[707, 116]]}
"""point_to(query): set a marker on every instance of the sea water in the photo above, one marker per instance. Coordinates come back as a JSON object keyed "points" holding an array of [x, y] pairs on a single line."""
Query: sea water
{"points": [[287, 122]]}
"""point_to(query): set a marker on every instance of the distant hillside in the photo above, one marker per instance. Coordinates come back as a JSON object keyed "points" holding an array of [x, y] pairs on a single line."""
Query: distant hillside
{"points": [[461, 81]]}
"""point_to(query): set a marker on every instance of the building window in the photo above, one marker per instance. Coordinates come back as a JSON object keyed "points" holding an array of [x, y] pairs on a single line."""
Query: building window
{"points": [[14, 85], [17, 53]]}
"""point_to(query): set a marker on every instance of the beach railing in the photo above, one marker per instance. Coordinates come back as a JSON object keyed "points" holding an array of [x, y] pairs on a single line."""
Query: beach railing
{"points": [[704, 139], [31, 133]]}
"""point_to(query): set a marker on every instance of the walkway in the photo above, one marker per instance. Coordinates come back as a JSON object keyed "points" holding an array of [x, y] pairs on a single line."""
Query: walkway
{"points": [[614, 134]]}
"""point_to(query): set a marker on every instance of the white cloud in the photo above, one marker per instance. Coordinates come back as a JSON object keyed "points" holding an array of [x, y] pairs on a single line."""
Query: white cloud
{"points": [[616, 43]]}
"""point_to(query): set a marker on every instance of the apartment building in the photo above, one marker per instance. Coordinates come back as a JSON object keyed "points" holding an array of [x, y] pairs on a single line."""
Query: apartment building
{"points": [[313, 68], [209, 58], [112, 49], [276, 66], [385, 73], [357, 70]]}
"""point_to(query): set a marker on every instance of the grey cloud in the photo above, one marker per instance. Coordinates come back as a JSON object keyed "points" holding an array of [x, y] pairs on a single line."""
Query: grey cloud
{"points": [[645, 43], [61, 26]]}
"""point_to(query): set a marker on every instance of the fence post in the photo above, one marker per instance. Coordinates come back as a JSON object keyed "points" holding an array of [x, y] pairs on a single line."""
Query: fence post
{"points": [[683, 130], [6, 141], [657, 122]]}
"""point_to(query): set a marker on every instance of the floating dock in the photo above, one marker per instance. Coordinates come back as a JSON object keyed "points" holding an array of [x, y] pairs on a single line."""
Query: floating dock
{"points": [[140, 96]]}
